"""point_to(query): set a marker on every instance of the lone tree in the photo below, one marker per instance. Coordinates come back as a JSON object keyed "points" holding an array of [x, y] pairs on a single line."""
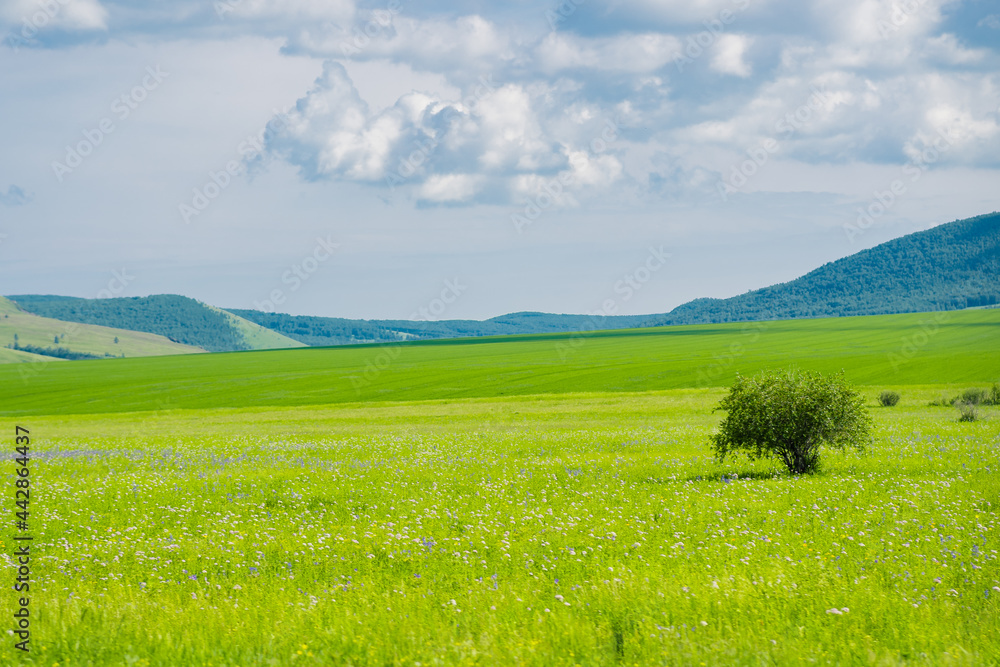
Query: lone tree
{"points": [[788, 415]]}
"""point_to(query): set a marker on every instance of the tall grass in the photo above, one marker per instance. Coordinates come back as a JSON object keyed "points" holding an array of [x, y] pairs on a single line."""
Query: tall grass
{"points": [[582, 530]]}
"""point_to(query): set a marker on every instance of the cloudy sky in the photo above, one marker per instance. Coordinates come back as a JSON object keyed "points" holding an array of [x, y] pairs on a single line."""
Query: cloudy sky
{"points": [[354, 158]]}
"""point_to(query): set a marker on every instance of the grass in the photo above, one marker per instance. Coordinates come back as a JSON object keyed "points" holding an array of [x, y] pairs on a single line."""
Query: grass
{"points": [[895, 350], [9, 356], [578, 529], [545, 500], [256, 336], [85, 338]]}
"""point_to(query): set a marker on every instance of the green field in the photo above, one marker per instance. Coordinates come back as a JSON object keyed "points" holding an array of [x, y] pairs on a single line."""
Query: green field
{"points": [[922, 348], [266, 510]]}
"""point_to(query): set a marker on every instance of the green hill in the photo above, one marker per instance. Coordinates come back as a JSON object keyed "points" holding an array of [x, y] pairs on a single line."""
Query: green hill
{"points": [[44, 339], [9, 356], [322, 331], [178, 318], [888, 350], [949, 267]]}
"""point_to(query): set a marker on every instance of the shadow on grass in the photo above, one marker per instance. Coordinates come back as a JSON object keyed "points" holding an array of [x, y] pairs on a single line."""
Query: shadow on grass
{"points": [[725, 477]]}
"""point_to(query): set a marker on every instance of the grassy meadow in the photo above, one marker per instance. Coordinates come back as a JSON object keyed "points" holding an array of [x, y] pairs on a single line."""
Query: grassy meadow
{"points": [[918, 348], [250, 520]]}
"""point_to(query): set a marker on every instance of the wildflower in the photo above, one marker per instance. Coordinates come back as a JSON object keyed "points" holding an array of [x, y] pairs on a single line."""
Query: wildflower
{"points": [[834, 611]]}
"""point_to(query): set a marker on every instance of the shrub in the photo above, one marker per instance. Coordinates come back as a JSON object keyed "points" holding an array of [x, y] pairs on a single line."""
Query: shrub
{"points": [[888, 398], [942, 400], [968, 412], [974, 396], [995, 394], [789, 415]]}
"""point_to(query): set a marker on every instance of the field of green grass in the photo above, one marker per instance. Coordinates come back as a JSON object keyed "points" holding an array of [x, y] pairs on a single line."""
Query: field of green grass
{"points": [[85, 338], [264, 509], [584, 529], [922, 348]]}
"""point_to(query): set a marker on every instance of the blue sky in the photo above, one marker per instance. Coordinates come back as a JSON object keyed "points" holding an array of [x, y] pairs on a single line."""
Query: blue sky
{"points": [[348, 158]]}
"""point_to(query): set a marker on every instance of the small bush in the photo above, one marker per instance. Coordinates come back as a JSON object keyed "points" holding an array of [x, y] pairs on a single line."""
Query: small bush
{"points": [[974, 396], [942, 401], [888, 398], [995, 394], [968, 412]]}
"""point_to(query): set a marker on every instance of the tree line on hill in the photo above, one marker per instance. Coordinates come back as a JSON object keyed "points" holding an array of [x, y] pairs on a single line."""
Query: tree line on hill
{"points": [[318, 331], [949, 267], [952, 266], [179, 318]]}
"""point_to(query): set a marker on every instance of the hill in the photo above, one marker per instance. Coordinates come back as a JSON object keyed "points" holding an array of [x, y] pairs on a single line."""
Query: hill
{"points": [[178, 318], [887, 350], [36, 339], [949, 267], [322, 331]]}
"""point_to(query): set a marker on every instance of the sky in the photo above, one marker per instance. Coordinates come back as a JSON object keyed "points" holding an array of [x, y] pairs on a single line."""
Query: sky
{"points": [[361, 159]]}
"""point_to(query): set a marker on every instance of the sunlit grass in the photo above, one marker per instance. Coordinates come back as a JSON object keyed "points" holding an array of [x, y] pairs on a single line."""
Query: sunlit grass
{"points": [[588, 529]]}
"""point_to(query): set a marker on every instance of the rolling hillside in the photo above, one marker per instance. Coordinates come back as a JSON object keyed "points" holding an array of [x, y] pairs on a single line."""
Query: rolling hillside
{"points": [[321, 331], [178, 318], [37, 335], [949, 267], [888, 350]]}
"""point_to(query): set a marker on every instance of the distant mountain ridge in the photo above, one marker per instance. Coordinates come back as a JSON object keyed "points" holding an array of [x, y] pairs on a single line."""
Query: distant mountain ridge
{"points": [[319, 331], [948, 267]]}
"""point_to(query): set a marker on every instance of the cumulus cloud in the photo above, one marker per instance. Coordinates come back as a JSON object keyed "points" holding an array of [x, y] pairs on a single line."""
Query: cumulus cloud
{"points": [[535, 93], [494, 140]]}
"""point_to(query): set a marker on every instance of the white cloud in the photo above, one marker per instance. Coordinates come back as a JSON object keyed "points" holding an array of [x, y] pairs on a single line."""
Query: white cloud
{"points": [[626, 53], [450, 188], [888, 70], [421, 140], [947, 49], [341, 11], [453, 46], [70, 15], [730, 53]]}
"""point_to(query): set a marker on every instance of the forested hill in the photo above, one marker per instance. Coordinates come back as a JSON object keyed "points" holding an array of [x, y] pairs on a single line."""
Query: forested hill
{"points": [[318, 331], [179, 318], [948, 267], [952, 266]]}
